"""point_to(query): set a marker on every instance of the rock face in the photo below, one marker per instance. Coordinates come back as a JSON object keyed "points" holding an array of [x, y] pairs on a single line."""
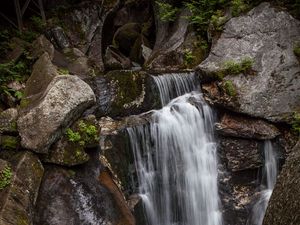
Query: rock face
{"points": [[65, 98], [268, 36], [284, 208], [243, 127], [17, 201], [8, 121], [75, 197]]}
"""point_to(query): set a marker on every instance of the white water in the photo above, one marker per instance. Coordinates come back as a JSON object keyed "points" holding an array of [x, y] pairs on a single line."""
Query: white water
{"points": [[269, 175], [176, 160]]}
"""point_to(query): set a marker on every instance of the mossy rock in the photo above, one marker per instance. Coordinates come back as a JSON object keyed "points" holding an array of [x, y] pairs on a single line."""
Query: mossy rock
{"points": [[8, 121], [129, 88], [9, 142]]}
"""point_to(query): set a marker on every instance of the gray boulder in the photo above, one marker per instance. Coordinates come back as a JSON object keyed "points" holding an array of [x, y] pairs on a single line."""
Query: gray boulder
{"points": [[268, 36], [64, 100], [17, 200], [8, 121]]}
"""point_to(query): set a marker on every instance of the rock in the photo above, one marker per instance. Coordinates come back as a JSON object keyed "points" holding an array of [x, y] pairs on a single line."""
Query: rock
{"points": [[273, 92], [17, 200], [76, 197], [107, 181], [86, 24], [9, 142], [18, 46], [42, 45], [241, 154], [16, 85], [115, 60], [79, 66], [66, 154], [245, 127], [8, 121], [58, 37], [64, 101], [284, 205], [42, 74], [115, 99]]}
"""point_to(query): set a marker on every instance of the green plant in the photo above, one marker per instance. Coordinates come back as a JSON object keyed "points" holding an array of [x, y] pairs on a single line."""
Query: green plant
{"points": [[5, 177], [73, 136], [84, 134], [63, 71], [238, 7], [230, 88], [188, 57], [232, 67], [296, 122], [167, 12], [218, 20], [38, 23]]}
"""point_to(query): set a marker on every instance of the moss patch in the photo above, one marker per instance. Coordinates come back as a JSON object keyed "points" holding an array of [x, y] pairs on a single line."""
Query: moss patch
{"points": [[9, 142], [229, 88], [5, 177]]}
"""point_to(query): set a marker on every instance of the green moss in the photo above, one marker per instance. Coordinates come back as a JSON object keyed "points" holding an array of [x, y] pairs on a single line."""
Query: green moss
{"points": [[5, 177], [218, 20], [167, 12], [63, 71], [229, 88], [9, 142], [232, 67], [296, 123], [238, 7], [188, 57], [297, 50]]}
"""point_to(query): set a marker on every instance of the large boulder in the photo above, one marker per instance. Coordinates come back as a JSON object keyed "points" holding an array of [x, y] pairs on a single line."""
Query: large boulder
{"points": [[17, 200], [284, 207], [64, 100], [268, 36], [8, 121], [245, 127]]}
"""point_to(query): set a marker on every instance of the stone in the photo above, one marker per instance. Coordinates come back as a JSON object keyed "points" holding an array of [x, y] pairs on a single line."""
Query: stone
{"points": [[284, 205], [16, 85], [245, 127], [79, 66], [42, 45], [114, 60], [64, 100], [18, 46], [8, 121], [58, 37], [76, 196], [42, 74], [17, 201], [241, 154], [272, 92]]}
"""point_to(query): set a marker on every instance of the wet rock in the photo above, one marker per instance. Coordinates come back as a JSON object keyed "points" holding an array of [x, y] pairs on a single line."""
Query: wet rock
{"points": [[8, 121], [76, 197], [58, 37], [17, 200], [42, 45], [245, 127], [284, 205], [241, 154], [115, 60], [273, 92], [63, 101]]}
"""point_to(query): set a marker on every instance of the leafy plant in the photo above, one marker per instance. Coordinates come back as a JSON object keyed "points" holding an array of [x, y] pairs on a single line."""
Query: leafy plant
{"points": [[72, 135], [232, 67], [38, 23], [218, 20], [167, 12], [297, 50], [188, 57], [63, 71], [5, 177], [238, 7]]}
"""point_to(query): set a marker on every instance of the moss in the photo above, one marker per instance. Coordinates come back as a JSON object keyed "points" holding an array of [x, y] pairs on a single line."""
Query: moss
{"points": [[232, 67], [296, 123], [229, 88], [5, 177], [129, 86], [9, 142], [297, 50], [238, 7]]}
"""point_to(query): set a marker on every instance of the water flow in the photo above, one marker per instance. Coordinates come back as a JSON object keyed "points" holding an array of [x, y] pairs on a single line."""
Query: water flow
{"points": [[176, 162], [174, 84], [269, 175]]}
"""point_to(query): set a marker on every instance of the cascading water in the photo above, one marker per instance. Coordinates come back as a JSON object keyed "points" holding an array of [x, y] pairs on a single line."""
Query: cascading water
{"points": [[269, 176], [176, 159]]}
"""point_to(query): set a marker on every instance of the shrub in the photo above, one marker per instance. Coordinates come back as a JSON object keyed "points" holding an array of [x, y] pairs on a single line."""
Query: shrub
{"points": [[188, 57], [167, 12], [218, 20], [232, 67], [5, 177], [38, 23], [238, 7]]}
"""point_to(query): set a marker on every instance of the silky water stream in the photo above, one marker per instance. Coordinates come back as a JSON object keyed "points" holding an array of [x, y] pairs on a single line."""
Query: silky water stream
{"points": [[175, 157]]}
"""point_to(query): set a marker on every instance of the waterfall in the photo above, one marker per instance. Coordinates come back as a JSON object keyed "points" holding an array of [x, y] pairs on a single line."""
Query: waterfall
{"points": [[173, 84], [176, 159], [269, 176]]}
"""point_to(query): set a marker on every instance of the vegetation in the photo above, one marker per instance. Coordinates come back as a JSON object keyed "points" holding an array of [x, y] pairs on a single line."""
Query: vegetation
{"points": [[238, 7], [218, 20], [5, 177], [296, 123], [188, 57], [167, 12], [233, 68], [84, 133], [63, 71], [230, 88], [297, 50]]}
